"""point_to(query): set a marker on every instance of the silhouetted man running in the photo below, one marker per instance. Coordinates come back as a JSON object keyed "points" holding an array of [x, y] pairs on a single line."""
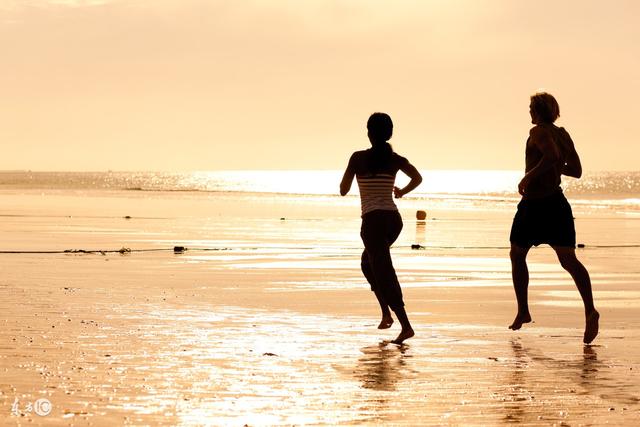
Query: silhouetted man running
{"points": [[544, 214]]}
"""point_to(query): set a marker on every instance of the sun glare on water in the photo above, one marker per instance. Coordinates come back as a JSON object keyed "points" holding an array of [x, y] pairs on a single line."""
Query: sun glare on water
{"points": [[327, 182]]}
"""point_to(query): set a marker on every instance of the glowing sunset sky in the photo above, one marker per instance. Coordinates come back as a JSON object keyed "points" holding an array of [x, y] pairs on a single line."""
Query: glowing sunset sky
{"points": [[239, 84]]}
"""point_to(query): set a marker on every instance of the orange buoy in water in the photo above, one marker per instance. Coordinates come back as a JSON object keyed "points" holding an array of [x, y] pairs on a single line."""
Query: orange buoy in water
{"points": [[421, 215]]}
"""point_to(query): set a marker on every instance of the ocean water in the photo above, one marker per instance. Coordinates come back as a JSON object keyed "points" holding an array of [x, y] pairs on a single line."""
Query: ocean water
{"points": [[267, 211], [615, 190]]}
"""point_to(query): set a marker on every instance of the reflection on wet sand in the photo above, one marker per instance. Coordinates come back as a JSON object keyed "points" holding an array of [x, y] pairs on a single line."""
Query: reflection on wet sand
{"points": [[382, 366], [516, 393], [590, 367], [546, 387], [382, 370], [225, 365], [596, 377]]}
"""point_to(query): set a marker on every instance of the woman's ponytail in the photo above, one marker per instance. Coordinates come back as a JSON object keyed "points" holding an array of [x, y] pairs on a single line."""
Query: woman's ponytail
{"points": [[380, 129]]}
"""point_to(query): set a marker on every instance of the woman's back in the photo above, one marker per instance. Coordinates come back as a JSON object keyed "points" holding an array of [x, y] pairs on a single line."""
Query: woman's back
{"points": [[376, 179]]}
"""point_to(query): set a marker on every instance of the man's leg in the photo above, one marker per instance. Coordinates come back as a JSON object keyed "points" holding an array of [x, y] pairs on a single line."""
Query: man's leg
{"points": [[580, 275], [520, 276]]}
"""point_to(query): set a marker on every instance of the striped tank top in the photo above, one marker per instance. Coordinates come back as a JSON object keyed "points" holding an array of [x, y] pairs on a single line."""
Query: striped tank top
{"points": [[376, 192]]}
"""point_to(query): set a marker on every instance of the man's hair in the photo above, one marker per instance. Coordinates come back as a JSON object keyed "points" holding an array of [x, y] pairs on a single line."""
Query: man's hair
{"points": [[380, 126], [545, 107]]}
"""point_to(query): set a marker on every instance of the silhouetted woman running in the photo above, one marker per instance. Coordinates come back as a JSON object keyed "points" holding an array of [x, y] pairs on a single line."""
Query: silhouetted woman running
{"points": [[375, 170]]}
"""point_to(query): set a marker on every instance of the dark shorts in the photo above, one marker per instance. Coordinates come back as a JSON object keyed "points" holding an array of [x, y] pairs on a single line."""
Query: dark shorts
{"points": [[546, 220]]}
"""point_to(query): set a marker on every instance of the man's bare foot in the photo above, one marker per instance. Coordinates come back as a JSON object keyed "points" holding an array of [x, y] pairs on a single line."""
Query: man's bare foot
{"points": [[519, 321], [404, 335], [591, 328], [386, 322]]}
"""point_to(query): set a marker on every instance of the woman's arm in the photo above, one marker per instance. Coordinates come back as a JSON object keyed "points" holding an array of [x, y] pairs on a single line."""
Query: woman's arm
{"points": [[416, 179], [347, 178]]}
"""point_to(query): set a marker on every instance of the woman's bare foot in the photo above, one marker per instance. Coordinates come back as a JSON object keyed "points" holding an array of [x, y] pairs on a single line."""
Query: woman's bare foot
{"points": [[519, 321], [404, 335], [591, 328], [386, 322]]}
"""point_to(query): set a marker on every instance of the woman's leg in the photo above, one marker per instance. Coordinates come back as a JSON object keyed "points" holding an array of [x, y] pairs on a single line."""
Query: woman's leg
{"points": [[384, 273], [379, 230], [365, 265], [407, 331], [394, 229]]}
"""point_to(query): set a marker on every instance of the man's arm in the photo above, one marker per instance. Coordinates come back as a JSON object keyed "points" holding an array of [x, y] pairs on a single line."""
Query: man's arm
{"points": [[572, 167], [347, 178], [543, 140]]}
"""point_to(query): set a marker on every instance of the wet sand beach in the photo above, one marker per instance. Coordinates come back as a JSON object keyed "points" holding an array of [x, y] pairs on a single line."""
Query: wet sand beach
{"points": [[267, 321]]}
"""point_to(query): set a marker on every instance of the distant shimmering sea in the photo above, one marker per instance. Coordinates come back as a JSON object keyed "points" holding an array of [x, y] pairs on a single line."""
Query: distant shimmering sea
{"points": [[616, 190]]}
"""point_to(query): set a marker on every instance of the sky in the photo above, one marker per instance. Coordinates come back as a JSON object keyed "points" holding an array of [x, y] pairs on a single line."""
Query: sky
{"points": [[181, 85]]}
